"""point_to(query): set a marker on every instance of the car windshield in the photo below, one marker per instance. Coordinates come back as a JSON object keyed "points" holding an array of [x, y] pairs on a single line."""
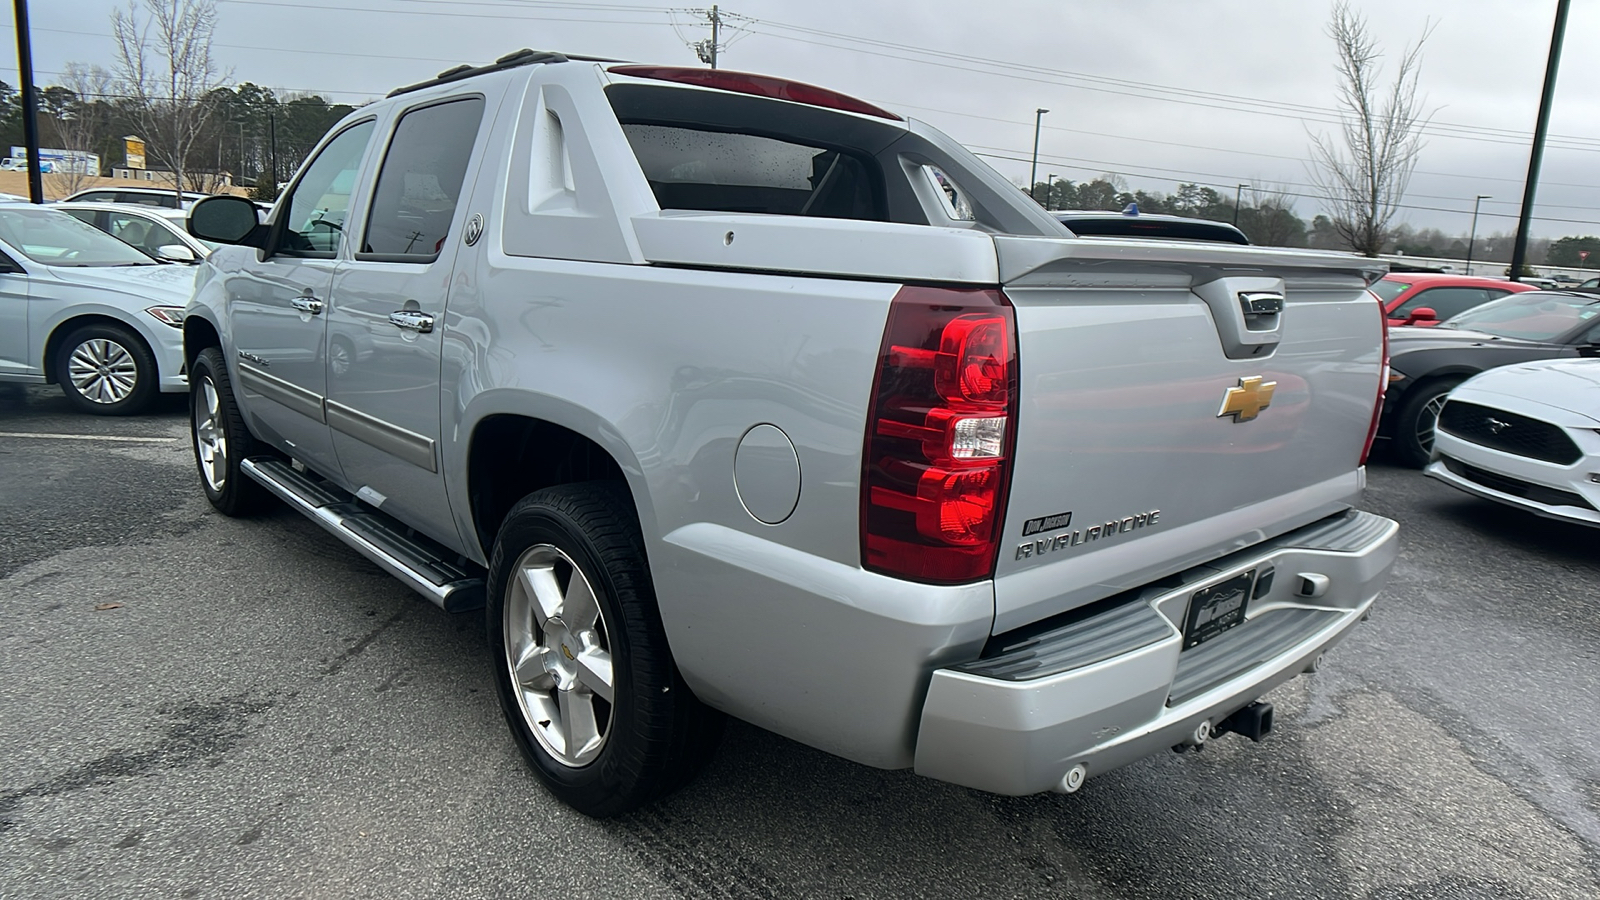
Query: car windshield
{"points": [[1533, 316], [57, 239], [1388, 290]]}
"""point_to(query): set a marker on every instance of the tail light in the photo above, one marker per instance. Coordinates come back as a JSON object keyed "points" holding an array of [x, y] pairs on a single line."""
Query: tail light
{"points": [[940, 433], [1383, 384]]}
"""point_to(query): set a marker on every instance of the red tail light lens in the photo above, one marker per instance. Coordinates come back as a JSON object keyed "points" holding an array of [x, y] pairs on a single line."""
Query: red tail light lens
{"points": [[939, 436], [1383, 384]]}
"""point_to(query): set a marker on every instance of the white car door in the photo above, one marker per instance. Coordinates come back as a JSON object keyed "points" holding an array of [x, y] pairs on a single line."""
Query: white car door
{"points": [[15, 356]]}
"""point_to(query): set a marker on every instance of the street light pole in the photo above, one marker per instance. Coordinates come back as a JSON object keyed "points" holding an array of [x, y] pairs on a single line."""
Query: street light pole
{"points": [[1519, 250], [1473, 237], [1238, 195], [1033, 169], [30, 102]]}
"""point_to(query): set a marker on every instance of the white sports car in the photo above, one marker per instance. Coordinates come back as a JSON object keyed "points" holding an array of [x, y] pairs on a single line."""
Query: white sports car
{"points": [[1527, 436]]}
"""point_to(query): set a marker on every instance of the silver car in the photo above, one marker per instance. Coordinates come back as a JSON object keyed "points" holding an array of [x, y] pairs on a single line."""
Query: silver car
{"points": [[84, 310], [160, 234]]}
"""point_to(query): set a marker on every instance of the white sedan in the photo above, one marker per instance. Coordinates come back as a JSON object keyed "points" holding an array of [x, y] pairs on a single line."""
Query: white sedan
{"points": [[1527, 436], [161, 234], [81, 309]]}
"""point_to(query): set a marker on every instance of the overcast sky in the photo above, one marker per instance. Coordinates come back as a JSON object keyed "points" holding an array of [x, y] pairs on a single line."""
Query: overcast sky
{"points": [[1158, 91]]}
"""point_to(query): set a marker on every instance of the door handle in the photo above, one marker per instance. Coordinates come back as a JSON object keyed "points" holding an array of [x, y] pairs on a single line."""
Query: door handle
{"points": [[307, 305], [412, 320]]}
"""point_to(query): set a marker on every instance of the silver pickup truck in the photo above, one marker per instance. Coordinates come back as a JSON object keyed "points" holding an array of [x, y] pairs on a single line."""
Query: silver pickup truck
{"points": [[725, 394]]}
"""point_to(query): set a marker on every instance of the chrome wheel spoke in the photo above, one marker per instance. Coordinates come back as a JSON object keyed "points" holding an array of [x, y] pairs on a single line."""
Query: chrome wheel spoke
{"points": [[531, 670], [579, 610], [544, 592], [579, 729], [594, 672]]}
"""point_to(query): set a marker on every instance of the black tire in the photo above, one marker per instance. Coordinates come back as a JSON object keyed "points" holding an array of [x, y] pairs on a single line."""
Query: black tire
{"points": [[1413, 423], [220, 439], [657, 735], [106, 370]]}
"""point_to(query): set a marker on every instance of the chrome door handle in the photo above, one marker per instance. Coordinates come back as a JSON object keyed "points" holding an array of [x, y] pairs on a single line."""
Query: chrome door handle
{"points": [[411, 320], [307, 305]]}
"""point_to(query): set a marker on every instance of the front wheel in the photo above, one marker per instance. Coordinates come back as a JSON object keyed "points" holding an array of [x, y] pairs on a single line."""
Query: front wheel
{"points": [[221, 440], [581, 662], [106, 370], [1414, 424]]}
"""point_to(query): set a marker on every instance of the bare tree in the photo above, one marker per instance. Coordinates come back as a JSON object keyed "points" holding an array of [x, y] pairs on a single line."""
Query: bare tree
{"points": [[164, 61], [79, 126], [1363, 173], [1271, 214]]}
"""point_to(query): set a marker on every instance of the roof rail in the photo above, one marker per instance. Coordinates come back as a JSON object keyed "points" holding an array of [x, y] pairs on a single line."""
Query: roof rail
{"points": [[523, 57]]}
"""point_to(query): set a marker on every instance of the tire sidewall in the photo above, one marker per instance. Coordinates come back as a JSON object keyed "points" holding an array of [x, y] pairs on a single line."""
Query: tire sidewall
{"points": [[539, 523], [238, 493], [144, 362], [1409, 450]]}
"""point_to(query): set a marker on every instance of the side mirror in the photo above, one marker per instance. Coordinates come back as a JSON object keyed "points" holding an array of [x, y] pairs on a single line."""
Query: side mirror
{"points": [[226, 220], [1589, 351], [1422, 314], [175, 253]]}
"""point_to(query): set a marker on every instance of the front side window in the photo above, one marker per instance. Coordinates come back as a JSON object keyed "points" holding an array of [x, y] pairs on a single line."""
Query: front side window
{"points": [[1533, 316], [732, 172], [1446, 302], [420, 183], [314, 216], [49, 237]]}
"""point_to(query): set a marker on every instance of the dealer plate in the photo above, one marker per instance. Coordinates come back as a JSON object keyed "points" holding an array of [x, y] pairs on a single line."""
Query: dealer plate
{"points": [[1216, 609]]}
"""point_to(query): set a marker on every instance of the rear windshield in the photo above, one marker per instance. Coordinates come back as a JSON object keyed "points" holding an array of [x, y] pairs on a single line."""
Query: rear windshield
{"points": [[1533, 316], [1128, 226], [1388, 290], [730, 172]]}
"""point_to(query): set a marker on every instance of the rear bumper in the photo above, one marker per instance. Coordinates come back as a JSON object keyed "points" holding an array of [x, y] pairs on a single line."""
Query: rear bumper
{"points": [[1107, 689]]}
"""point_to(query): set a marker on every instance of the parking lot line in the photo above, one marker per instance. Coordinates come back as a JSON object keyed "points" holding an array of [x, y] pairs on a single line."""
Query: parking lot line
{"points": [[85, 437]]}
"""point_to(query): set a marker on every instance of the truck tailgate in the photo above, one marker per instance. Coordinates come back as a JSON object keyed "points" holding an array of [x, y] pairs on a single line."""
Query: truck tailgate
{"points": [[1161, 423]]}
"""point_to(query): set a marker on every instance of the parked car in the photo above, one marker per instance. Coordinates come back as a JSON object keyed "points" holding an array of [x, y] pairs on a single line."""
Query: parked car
{"points": [[1100, 223], [138, 196], [1423, 299], [161, 234], [1427, 363], [1527, 436], [616, 311], [81, 309]]}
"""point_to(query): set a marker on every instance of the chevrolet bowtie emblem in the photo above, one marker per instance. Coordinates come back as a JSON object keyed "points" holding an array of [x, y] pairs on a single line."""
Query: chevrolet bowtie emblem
{"points": [[1246, 401]]}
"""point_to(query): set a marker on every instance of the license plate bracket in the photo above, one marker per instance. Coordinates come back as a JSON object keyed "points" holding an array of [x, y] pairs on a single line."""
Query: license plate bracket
{"points": [[1215, 609]]}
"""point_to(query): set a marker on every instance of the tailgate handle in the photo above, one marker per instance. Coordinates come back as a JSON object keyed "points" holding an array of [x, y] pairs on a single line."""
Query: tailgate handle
{"points": [[1248, 312]]}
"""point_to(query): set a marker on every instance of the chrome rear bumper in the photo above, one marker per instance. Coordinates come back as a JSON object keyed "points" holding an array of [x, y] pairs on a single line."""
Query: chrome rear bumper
{"points": [[1111, 687]]}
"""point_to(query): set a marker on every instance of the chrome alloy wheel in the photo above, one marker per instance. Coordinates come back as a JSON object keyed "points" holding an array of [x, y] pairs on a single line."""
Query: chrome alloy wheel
{"points": [[1427, 419], [559, 654], [103, 371], [210, 440]]}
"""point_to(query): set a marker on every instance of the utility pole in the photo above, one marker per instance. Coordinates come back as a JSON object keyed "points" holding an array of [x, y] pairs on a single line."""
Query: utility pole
{"points": [[1238, 197], [1033, 169], [1050, 191], [1472, 237], [30, 103], [272, 131], [707, 50], [1519, 250]]}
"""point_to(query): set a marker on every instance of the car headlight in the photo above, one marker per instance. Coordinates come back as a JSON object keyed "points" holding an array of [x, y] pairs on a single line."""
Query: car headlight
{"points": [[167, 315]]}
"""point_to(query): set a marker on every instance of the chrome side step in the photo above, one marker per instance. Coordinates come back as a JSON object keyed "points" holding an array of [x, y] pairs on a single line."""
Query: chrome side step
{"points": [[415, 560]]}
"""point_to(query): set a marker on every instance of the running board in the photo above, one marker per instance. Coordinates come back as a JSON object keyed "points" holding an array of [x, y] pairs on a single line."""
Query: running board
{"points": [[415, 560]]}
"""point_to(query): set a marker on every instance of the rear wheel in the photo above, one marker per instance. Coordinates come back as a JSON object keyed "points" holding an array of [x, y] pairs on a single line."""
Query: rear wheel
{"points": [[581, 662], [221, 440], [106, 370], [1413, 426]]}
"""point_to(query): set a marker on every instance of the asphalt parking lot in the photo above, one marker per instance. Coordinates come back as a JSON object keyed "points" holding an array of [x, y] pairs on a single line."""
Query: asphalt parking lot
{"points": [[192, 706]]}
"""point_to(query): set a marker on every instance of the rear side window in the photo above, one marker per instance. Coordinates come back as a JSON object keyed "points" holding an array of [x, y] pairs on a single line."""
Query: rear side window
{"points": [[94, 197], [420, 183], [733, 172], [1388, 290]]}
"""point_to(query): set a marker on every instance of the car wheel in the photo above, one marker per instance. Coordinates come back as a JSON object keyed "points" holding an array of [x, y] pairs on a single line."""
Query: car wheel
{"points": [[106, 370], [221, 440], [1413, 427], [580, 658]]}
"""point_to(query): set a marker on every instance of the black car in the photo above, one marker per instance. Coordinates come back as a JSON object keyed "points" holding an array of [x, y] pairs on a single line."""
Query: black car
{"points": [[1426, 363]]}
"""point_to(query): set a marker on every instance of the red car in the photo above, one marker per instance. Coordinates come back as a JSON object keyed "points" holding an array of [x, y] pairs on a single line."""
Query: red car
{"points": [[1405, 295]]}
